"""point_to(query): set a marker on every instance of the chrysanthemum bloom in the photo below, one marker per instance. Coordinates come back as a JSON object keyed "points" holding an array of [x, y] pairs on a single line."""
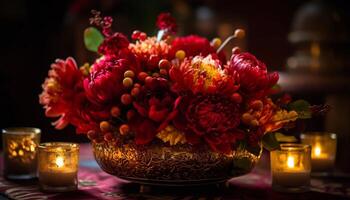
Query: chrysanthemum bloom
{"points": [[155, 107], [202, 75], [253, 76], [105, 83], [63, 96], [194, 45], [212, 118], [88, 116], [116, 46], [61, 90], [150, 51], [113, 44]]}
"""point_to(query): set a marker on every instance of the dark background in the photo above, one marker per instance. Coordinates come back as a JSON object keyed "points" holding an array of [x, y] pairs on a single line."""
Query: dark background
{"points": [[34, 33]]}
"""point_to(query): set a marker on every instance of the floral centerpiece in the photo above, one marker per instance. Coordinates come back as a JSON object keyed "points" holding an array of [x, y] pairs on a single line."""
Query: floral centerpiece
{"points": [[178, 100]]}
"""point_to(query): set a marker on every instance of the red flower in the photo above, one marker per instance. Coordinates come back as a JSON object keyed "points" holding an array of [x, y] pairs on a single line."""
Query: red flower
{"points": [[113, 44], [117, 46], [201, 75], [153, 116], [156, 106], [88, 116], [253, 77], [195, 45], [166, 22], [213, 119], [149, 52], [106, 80], [63, 96]]}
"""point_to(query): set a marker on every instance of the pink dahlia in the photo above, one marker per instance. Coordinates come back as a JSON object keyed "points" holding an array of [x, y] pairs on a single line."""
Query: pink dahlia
{"points": [[253, 76], [105, 83]]}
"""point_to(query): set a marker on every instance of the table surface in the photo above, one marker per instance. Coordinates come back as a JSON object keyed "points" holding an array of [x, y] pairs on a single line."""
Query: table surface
{"points": [[96, 184]]}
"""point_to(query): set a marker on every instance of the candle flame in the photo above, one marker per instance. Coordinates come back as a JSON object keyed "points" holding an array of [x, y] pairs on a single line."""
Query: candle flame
{"points": [[290, 162], [59, 161], [317, 151]]}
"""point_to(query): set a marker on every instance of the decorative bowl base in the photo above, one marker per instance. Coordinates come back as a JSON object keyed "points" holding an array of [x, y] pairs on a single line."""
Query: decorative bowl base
{"points": [[179, 165]]}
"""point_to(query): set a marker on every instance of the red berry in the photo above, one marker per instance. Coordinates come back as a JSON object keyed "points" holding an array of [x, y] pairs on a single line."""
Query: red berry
{"points": [[92, 134], [155, 74], [142, 36], [130, 114], [142, 75], [128, 82], [164, 64], [236, 50], [129, 73], [163, 72], [126, 99], [135, 35], [115, 111], [108, 137], [124, 129], [135, 91], [137, 85], [236, 97], [104, 126], [148, 80]]}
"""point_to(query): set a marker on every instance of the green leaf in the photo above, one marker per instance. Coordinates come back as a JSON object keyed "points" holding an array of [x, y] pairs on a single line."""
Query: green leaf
{"points": [[302, 107], [92, 39], [276, 87], [285, 138], [270, 142]]}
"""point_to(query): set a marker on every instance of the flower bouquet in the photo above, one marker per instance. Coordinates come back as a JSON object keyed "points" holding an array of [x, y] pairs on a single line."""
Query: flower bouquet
{"points": [[167, 109]]}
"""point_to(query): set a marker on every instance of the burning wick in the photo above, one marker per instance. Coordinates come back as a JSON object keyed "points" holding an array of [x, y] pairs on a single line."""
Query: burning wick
{"points": [[317, 151], [290, 162], [59, 161]]}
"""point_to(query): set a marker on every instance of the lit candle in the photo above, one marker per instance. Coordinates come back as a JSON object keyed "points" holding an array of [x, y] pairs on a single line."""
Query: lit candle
{"points": [[290, 168], [323, 150], [20, 155], [58, 166]]}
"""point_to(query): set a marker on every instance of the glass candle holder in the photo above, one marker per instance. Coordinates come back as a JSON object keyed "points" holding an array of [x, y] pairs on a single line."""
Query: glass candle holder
{"points": [[20, 153], [58, 166], [324, 147], [290, 168]]}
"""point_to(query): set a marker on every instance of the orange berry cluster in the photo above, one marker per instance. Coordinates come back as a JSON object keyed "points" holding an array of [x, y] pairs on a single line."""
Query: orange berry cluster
{"points": [[134, 84], [251, 118]]}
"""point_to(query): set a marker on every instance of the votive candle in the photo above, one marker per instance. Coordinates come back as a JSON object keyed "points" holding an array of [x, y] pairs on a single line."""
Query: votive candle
{"points": [[324, 147], [290, 168], [20, 153], [58, 166]]}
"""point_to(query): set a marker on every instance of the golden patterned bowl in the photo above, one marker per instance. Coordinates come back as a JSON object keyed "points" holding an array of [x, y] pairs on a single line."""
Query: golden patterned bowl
{"points": [[179, 165]]}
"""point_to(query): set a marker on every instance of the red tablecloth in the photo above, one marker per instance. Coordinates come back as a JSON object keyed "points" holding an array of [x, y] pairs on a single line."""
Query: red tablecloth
{"points": [[96, 184]]}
